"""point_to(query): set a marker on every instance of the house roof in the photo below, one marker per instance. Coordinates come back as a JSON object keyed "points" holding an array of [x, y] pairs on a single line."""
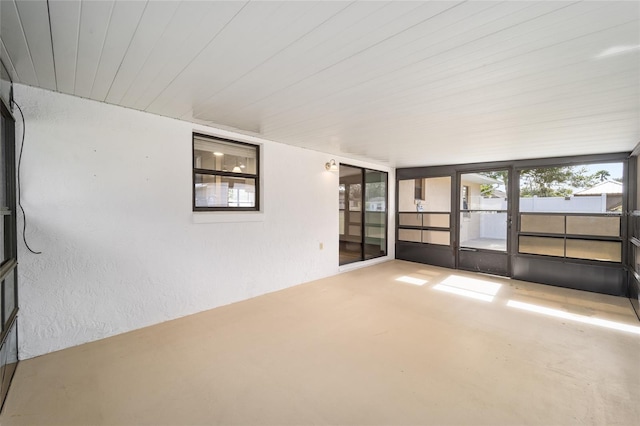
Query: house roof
{"points": [[606, 187], [478, 178]]}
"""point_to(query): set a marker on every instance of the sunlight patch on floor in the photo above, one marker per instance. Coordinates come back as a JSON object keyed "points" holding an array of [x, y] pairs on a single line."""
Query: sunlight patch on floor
{"points": [[411, 280], [573, 317], [469, 287]]}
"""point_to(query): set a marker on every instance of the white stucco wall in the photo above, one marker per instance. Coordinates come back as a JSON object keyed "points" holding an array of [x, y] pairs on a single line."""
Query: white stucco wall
{"points": [[107, 192]]}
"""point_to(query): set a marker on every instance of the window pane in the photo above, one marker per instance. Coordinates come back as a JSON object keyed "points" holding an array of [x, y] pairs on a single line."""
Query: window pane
{"points": [[9, 288], [351, 238], [410, 219], [414, 235], [375, 217], [436, 237], [541, 245], [587, 188], [546, 224], [213, 154], [9, 358], [5, 239], [435, 193], [595, 250], [484, 230], [3, 167], [435, 220], [607, 226], [219, 191], [484, 190]]}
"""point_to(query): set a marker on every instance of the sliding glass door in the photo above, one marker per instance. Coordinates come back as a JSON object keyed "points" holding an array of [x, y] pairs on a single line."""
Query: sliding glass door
{"points": [[363, 214]]}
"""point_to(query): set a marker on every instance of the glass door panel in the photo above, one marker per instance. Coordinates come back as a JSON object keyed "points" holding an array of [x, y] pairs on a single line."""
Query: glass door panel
{"points": [[483, 228], [375, 216], [351, 237], [363, 214], [484, 210]]}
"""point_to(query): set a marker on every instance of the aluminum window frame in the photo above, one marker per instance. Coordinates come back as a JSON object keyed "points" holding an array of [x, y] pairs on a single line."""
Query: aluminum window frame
{"points": [[209, 172]]}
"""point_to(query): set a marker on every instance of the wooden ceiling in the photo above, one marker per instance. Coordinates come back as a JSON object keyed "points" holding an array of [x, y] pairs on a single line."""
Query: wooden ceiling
{"points": [[397, 83]]}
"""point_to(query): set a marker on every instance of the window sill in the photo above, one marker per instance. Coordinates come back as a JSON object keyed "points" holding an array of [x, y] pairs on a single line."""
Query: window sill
{"points": [[226, 217]]}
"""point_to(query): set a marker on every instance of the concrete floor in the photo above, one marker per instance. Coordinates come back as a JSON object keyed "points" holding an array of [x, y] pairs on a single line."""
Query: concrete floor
{"points": [[487, 243], [362, 348]]}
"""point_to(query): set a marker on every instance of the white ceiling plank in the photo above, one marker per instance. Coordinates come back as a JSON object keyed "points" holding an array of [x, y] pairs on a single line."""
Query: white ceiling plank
{"points": [[397, 50], [487, 106], [34, 16], [94, 21], [122, 26], [154, 22], [65, 24], [499, 72], [15, 42], [342, 50], [521, 110], [268, 27], [340, 37], [193, 23], [397, 83], [186, 50], [478, 120], [6, 60], [400, 54]]}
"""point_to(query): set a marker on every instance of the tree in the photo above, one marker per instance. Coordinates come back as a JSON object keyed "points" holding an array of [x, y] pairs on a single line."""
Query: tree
{"points": [[554, 181], [487, 190], [602, 175], [548, 181]]}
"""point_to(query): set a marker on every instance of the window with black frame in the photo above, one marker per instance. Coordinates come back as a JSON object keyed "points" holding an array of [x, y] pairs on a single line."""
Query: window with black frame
{"points": [[572, 211], [226, 175], [8, 254]]}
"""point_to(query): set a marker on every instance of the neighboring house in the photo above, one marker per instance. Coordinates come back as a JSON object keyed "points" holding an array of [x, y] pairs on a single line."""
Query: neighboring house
{"points": [[610, 190]]}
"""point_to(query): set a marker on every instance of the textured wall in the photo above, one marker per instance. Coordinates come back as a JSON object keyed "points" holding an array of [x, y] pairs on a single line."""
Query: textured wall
{"points": [[107, 191]]}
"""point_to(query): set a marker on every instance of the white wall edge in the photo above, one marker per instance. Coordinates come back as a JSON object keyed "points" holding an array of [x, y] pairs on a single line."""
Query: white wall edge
{"points": [[221, 217], [364, 264]]}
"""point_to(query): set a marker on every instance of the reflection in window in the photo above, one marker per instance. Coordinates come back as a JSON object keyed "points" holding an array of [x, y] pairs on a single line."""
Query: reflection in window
{"points": [[225, 174], [363, 214]]}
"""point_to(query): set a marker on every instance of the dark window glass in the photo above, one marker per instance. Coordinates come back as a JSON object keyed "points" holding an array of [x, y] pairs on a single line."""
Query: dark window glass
{"points": [[363, 214], [225, 174], [9, 289]]}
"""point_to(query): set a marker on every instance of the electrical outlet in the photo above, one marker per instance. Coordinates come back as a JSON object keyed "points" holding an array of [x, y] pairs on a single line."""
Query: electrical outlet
{"points": [[321, 246]]}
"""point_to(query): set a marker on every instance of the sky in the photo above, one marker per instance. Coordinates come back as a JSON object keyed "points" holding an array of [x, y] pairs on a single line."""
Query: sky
{"points": [[614, 168]]}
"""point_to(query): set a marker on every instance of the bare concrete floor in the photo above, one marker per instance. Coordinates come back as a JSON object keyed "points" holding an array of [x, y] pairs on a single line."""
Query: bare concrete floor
{"points": [[366, 347], [487, 243]]}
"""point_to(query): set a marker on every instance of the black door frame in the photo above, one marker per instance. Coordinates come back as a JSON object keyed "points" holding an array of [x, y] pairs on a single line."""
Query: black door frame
{"points": [[486, 261]]}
